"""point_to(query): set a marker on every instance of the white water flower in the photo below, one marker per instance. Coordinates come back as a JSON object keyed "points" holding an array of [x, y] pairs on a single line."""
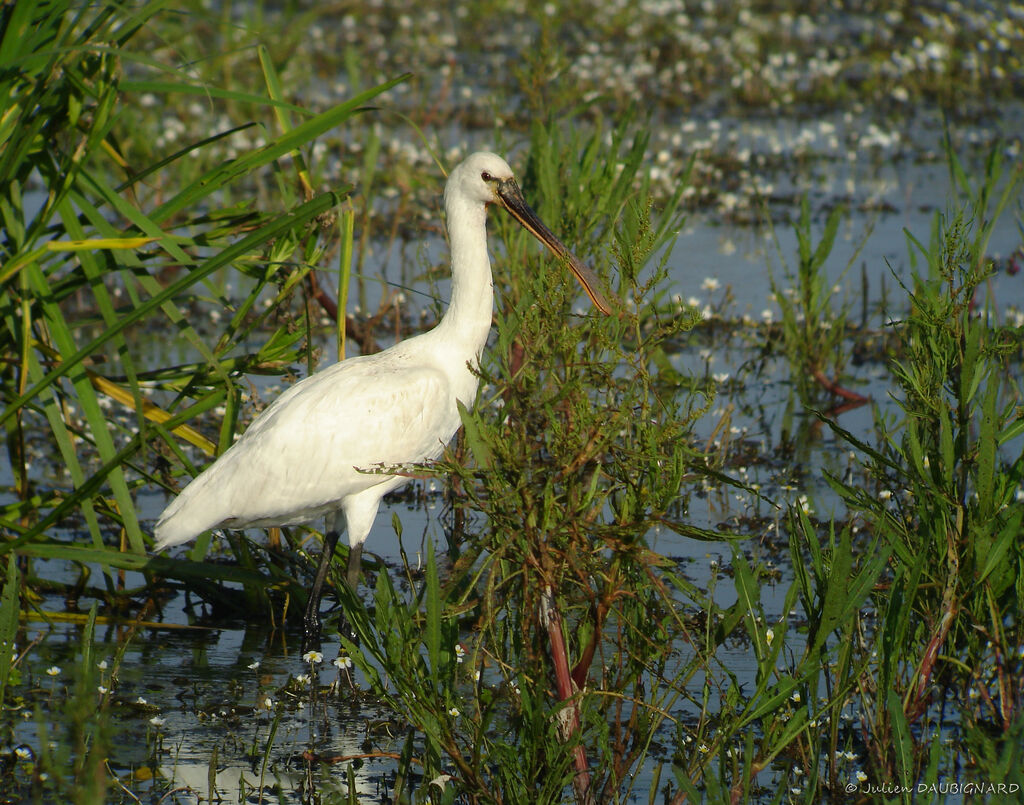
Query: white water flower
{"points": [[156, 721], [53, 670], [312, 657], [342, 661]]}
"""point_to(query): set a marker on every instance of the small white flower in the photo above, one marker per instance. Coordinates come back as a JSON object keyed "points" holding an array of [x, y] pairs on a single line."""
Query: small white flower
{"points": [[23, 752], [460, 652], [476, 675], [342, 661], [769, 636], [710, 284], [312, 657], [796, 696], [453, 711], [703, 748], [861, 776], [103, 690], [302, 679], [102, 665], [156, 721], [268, 703], [254, 665], [53, 670], [141, 700]]}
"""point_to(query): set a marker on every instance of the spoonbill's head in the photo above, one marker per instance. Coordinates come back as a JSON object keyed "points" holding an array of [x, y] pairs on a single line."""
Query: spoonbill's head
{"points": [[487, 178]]}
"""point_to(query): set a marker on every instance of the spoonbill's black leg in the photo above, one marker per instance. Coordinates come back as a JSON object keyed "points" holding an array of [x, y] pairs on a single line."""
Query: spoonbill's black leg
{"points": [[311, 621]]}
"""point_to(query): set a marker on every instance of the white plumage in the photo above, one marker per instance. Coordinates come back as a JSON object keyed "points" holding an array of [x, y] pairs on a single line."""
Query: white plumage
{"points": [[301, 458]]}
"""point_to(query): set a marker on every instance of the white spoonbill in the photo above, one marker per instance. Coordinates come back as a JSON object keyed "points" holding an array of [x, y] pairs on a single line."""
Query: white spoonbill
{"points": [[302, 457]]}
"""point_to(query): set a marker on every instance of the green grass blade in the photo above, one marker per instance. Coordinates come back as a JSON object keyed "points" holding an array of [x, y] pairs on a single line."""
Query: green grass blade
{"points": [[432, 639], [9, 609], [903, 742], [169, 88], [276, 148], [273, 229], [184, 569]]}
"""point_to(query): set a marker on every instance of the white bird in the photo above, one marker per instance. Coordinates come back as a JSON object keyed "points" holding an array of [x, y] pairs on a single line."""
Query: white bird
{"points": [[306, 455]]}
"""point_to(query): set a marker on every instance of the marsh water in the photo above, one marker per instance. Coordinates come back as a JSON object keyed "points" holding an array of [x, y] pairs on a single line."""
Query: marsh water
{"points": [[199, 701]]}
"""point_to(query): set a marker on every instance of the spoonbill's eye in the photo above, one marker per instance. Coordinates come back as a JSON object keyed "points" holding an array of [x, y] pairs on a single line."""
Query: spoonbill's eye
{"points": [[486, 177]]}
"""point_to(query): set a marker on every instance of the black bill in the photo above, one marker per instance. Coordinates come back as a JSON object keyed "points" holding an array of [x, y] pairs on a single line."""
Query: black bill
{"points": [[512, 200]]}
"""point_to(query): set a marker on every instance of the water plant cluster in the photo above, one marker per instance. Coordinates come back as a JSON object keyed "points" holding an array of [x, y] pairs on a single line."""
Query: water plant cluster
{"points": [[536, 645]]}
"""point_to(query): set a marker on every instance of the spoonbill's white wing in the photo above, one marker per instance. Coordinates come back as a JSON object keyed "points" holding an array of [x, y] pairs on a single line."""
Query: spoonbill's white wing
{"points": [[303, 455]]}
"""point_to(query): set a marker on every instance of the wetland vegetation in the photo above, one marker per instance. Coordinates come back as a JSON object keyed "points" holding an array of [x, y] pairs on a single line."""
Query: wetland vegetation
{"points": [[757, 538]]}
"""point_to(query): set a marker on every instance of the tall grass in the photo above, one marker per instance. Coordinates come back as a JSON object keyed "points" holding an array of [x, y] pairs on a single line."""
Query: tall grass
{"points": [[946, 501], [89, 258], [909, 602]]}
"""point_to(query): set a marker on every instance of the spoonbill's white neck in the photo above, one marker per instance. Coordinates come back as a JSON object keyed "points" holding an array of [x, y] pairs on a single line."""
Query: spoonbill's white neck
{"points": [[468, 318]]}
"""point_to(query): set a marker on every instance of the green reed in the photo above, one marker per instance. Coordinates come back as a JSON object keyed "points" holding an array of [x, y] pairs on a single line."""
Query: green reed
{"points": [[129, 257], [944, 497]]}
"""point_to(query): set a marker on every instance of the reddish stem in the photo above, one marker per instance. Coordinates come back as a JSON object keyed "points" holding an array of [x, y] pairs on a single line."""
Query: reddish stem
{"points": [[570, 718]]}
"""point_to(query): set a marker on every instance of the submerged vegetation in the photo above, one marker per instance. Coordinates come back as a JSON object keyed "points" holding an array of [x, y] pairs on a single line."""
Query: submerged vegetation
{"points": [[583, 622]]}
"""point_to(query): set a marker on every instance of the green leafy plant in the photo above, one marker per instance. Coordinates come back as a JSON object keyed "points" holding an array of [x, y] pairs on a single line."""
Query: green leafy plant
{"points": [[578, 446], [813, 334], [946, 502]]}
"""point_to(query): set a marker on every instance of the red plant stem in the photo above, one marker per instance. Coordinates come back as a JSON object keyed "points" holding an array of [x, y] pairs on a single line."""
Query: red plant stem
{"points": [[570, 718], [833, 387]]}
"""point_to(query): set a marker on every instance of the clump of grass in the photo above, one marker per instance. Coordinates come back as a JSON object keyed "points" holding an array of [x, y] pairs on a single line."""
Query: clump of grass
{"points": [[128, 259], [946, 507], [813, 332]]}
